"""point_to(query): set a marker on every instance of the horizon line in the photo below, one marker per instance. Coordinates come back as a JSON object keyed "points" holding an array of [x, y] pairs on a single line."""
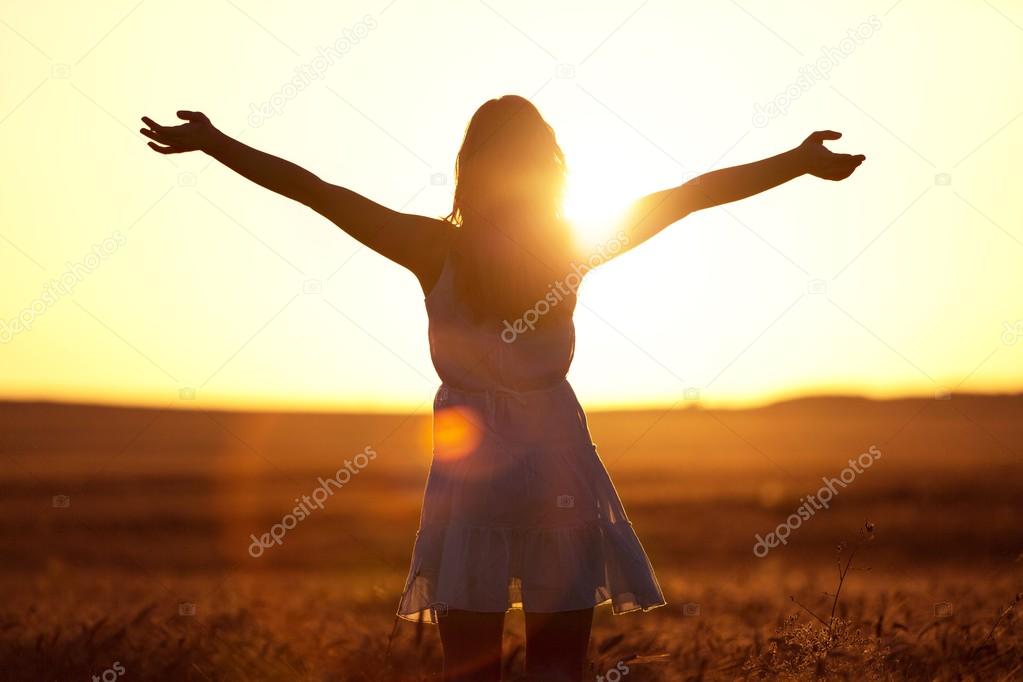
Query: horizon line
{"points": [[184, 405]]}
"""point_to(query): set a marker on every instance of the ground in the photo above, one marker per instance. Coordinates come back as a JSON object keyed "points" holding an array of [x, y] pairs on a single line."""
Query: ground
{"points": [[126, 537]]}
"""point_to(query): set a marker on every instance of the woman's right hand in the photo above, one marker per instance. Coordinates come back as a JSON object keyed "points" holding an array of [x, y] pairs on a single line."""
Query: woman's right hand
{"points": [[196, 134]]}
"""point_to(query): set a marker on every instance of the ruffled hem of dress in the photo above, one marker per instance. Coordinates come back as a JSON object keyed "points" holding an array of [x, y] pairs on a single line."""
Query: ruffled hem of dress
{"points": [[542, 570]]}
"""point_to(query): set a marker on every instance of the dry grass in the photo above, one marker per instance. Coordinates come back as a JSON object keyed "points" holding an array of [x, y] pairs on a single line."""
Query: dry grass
{"points": [[161, 509], [64, 627]]}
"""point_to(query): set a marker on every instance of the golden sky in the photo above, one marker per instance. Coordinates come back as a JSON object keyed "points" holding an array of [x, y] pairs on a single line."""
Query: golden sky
{"points": [[182, 282]]}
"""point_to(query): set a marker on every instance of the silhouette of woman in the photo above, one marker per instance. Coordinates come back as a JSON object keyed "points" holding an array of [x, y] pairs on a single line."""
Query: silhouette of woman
{"points": [[518, 508]]}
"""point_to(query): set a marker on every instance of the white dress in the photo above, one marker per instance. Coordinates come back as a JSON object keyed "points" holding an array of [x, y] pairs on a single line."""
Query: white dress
{"points": [[519, 511]]}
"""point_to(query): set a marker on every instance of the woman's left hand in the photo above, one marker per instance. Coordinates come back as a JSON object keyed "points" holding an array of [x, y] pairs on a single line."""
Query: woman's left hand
{"points": [[821, 162]]}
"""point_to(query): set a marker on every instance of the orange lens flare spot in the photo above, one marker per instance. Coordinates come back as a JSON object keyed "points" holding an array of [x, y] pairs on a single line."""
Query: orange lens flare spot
{"points": [[456, 432]]}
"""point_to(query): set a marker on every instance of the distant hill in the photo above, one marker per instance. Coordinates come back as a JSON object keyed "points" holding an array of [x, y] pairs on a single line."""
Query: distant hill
{"points": [[966, 428]]}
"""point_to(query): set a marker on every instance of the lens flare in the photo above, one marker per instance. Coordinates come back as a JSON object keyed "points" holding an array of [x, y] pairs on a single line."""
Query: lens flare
{"points": [[456, 432]]}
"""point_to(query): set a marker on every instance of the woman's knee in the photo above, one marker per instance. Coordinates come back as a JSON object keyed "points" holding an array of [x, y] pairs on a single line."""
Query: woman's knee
{"points": [[557, 643], [472, 645]]}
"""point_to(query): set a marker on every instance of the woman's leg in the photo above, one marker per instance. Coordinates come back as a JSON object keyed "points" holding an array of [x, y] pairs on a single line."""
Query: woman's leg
{"points": [[556, 645], [472, 645]]}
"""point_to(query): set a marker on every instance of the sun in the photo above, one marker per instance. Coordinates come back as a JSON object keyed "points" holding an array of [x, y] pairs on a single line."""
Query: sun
{"points": [[594, 205]]}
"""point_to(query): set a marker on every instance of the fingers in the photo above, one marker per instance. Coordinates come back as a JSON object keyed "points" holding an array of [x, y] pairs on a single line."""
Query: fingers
{"points": [[190, 115], [819, 136], [822, 135], [151, 123], [844, 167], [163, 137], [163, 150], [167, 139]]}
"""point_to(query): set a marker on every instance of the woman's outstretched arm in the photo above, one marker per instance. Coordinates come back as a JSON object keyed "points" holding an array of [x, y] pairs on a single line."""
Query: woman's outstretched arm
{"points": [[656, 211], [416, 242]]}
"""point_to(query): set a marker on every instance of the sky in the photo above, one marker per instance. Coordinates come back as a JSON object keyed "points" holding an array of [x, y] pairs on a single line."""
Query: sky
{"points": [[130, 277]]}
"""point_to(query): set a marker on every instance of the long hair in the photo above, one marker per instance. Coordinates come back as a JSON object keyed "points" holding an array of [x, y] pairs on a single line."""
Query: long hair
{"points": [[511, 241]]}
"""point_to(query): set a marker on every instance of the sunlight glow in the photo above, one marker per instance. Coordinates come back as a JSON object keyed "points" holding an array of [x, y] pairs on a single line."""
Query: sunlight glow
{"points": [[593, 205], [223, 294], [455, 433]]}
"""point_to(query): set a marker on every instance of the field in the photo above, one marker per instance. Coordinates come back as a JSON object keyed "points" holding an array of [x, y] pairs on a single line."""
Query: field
{"points": [[126, 538]]}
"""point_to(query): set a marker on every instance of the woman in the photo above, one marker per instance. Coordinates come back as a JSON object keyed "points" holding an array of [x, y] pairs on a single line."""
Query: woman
{"points": [[518, 508]]}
